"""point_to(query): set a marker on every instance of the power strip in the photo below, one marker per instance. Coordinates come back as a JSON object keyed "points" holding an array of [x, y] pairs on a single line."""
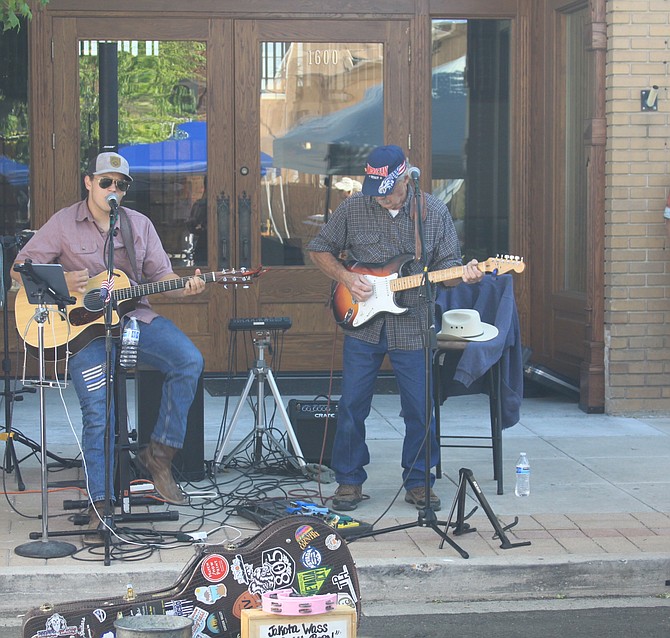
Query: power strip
{"points": [[141, 488]]}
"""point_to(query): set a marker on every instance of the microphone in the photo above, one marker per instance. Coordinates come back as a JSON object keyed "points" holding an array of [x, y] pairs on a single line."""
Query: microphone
{"points": [[414, 173], [113, 201]]}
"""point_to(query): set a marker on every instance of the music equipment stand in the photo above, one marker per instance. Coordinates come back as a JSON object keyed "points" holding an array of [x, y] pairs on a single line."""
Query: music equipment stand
{"points": [[44, 284], [260, 373], [465, 478]]}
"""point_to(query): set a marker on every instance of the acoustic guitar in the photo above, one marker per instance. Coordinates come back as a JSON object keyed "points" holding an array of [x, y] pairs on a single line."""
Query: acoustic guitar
{"points": [[385, 280], [84, 320], [300, 553]]}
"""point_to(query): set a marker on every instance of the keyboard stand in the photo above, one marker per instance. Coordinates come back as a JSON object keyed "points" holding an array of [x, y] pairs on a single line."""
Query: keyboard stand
{"points": [[261, 434]]}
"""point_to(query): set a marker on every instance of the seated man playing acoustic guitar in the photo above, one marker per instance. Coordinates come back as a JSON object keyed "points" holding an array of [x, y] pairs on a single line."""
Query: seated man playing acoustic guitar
{"points": [[77, 237], [377, 226]]}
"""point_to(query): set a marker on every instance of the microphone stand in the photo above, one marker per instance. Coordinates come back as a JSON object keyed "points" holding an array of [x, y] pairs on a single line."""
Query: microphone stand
{"points": [[109, 308], [426, 516]]}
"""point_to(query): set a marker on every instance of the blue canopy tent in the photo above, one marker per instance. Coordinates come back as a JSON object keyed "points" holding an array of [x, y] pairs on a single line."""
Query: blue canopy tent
{"points": [[15, 173], [184, 152]]}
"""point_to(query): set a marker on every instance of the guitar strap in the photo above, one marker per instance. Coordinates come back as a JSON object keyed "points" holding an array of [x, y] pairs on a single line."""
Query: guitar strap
{"points": [[412, 214], [127, 234]]}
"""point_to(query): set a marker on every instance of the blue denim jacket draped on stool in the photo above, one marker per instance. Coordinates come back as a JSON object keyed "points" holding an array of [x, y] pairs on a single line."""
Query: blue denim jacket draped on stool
{"points": [[493, 298]]}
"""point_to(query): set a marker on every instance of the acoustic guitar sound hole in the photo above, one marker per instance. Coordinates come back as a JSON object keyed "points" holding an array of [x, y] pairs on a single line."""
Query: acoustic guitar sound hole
{"points": [[92, 301]]}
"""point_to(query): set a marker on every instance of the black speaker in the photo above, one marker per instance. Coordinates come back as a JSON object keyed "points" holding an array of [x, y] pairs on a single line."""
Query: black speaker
{"points": [[189, 463], [309, 419]]}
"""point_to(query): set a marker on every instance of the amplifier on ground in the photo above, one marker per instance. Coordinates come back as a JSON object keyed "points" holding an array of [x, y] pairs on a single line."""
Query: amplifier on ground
{"points": [[311, 421]]}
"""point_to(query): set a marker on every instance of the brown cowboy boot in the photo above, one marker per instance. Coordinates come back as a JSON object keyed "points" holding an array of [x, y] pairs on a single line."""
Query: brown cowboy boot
{"points": [[157, 459]]}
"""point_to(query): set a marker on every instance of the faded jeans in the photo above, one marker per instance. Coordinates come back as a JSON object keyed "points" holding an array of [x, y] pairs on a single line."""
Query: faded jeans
{"points": [[162, 346], [361, 363]]}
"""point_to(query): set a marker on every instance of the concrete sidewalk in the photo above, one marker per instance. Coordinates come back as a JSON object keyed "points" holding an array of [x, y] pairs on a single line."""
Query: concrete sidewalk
{"points": [[598, 517]]}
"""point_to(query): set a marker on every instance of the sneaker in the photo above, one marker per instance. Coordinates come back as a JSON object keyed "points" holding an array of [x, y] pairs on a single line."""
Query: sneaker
{"points": [[416, 497], [347, 497]]}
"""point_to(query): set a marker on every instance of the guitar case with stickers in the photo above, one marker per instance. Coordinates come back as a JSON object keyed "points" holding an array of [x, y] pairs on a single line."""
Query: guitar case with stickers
{"points": [[301, 553]]}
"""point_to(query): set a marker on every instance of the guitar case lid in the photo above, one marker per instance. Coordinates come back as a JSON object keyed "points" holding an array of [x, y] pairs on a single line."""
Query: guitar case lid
{"points": [[302, 553]]}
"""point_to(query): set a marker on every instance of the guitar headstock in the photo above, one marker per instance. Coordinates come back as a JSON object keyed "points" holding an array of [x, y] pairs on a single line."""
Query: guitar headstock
{"points": [[502, 264], [242, 277]]}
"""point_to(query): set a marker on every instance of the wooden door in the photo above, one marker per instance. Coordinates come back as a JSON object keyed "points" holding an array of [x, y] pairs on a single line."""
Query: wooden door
{"points": [[201, 144], [567, 300], [334, 80]]}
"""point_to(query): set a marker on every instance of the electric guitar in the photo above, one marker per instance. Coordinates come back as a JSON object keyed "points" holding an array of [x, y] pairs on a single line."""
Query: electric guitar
{"points": [[84, 320], [299, 553], [385, 281]]}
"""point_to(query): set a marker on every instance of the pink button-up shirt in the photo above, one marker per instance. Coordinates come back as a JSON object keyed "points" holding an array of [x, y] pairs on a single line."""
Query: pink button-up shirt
{"points": [[72, 238]]}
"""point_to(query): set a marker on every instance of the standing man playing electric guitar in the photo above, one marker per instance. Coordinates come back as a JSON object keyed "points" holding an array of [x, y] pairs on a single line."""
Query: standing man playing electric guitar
{"points": [[374, 227], [76, 237]]}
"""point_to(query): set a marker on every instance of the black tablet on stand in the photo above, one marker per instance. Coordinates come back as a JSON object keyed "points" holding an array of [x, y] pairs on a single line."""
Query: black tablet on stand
{"points": [[45, 284]]}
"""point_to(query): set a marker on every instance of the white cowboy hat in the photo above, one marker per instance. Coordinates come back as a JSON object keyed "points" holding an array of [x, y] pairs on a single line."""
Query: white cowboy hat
{"points": [[348, 184], [465, 325]]}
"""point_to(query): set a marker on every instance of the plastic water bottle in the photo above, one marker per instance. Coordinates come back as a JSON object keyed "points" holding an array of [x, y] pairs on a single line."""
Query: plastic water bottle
{"points": [[522, 476], [129, 343]]}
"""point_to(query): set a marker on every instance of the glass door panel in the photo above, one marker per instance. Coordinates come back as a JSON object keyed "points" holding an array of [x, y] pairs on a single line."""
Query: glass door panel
{"points": [[470, 130], [321, 112], [14, 136], [148, 100]]}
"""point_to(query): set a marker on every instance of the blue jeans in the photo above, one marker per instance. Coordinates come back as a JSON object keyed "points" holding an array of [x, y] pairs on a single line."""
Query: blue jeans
{"points": [[361, 365], [162, 346]]}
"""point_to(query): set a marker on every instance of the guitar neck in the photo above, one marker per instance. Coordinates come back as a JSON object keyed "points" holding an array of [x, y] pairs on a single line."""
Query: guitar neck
{"points": [[414, 281], [142, 290]]}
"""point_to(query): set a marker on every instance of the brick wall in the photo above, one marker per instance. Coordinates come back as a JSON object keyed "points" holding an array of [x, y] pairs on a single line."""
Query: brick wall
{"points": [[637, 255]]}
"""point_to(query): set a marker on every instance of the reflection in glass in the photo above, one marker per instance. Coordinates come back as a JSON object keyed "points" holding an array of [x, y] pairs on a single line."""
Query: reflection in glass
{"points": [[321, 114], [162, 132], [470, 130], [14, 138]]}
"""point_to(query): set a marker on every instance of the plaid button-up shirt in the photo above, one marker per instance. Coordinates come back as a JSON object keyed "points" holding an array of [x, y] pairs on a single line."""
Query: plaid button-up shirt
{"points": [[370, 234]]}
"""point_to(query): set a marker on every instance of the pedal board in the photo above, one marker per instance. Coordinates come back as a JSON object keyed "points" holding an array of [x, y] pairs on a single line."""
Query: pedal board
{"points": [[265, 511]]}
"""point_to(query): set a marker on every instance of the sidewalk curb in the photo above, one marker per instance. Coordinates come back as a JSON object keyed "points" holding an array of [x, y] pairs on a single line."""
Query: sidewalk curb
{"points": [[525, 579], [436, 580]]}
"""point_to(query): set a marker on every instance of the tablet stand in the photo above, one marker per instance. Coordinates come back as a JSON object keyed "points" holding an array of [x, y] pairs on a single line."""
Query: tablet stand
{"points": [[44, 285]]}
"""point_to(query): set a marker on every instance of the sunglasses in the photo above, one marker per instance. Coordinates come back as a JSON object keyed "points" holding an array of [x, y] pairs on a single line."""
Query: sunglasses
{"points": [[122, 184]]}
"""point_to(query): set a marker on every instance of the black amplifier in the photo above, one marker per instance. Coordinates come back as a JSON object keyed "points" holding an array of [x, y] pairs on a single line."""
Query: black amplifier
{"points": [[312, 421]]}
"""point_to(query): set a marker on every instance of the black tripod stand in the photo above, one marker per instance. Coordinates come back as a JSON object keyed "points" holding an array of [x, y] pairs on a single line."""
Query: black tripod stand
{"points": [[426, 516], [461, 527]]}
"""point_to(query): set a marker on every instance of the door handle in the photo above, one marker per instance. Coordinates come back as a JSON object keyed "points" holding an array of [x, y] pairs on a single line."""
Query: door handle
{"points": [[244, 218], [223, 218]]}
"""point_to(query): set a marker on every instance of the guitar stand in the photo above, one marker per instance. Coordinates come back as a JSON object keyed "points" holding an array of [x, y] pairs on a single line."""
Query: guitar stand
{"points": [[461, 527], [261, 373]]}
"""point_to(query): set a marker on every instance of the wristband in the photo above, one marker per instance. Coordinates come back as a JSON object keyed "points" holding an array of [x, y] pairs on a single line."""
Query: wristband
{"points": [[286, 603], [666, 213]]}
